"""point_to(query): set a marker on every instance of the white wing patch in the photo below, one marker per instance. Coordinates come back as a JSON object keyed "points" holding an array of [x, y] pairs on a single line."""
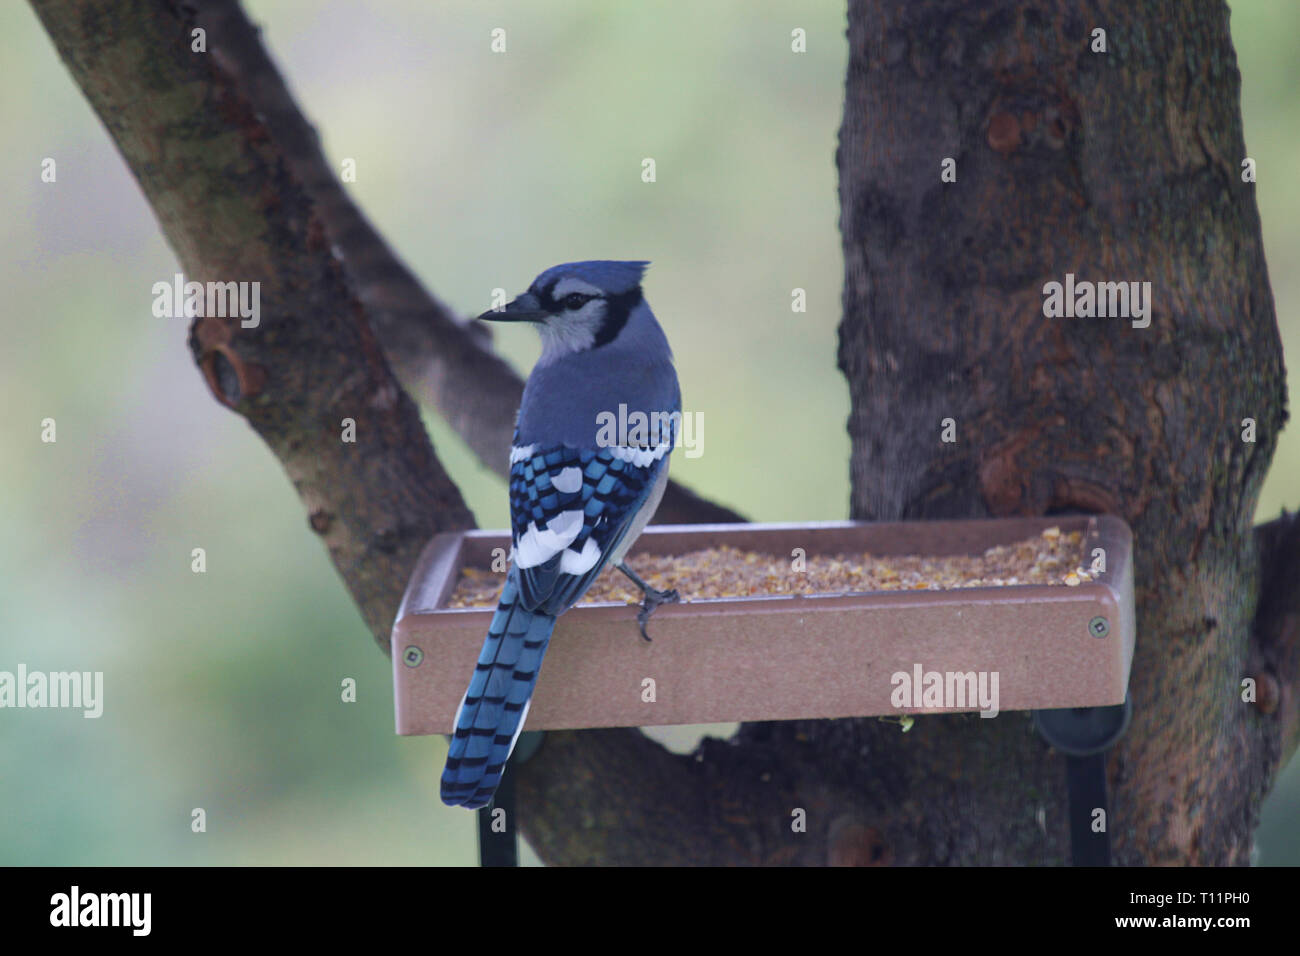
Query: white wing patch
{"points": [[571, 562], [640, 457], [568, 481], [538, 545]]}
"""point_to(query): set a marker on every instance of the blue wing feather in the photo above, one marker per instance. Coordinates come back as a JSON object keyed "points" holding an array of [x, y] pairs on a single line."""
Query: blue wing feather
{"points": [[611, 494], [545, 496]]}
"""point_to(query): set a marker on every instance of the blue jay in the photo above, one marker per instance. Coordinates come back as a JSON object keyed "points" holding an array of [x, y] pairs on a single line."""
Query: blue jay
{"points": [[580, 491]]}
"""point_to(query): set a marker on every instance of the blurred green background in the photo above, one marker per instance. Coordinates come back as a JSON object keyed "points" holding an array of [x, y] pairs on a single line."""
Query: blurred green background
{"points": [[223, 689]]}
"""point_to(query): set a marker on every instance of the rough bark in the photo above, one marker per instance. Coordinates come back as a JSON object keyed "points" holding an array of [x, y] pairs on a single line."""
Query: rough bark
{"points": [[233, 210], [1122, 165], [434, 354], [242, 191], [1114, 167]]}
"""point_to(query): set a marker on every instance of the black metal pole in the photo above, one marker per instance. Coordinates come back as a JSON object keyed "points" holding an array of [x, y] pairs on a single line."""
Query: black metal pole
{"points": [[498, 841], [1084, 735], [1085, 781]]}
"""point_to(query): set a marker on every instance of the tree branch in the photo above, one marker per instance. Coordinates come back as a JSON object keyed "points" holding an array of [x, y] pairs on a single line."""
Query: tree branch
{"points": [[242, 193], [1274, 659], [432, 352], [233, 210]]}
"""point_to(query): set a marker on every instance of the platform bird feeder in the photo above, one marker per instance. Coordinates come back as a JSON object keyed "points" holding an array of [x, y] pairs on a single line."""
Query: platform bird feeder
{"points": [[787, 657], [1062, 649]]}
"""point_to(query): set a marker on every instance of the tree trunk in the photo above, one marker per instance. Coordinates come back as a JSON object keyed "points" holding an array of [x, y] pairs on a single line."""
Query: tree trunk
{"points": [[1115, 166]]}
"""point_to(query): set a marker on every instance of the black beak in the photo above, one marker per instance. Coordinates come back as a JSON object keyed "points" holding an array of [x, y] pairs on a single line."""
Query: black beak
{"points": [[526, 308]]}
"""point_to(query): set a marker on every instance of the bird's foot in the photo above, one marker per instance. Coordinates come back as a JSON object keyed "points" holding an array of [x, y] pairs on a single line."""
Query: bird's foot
{"points": [[653, 598]]}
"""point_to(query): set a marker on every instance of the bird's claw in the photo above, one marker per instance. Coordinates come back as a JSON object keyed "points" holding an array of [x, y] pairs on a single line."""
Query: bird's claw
{"points": [[652, 600]]}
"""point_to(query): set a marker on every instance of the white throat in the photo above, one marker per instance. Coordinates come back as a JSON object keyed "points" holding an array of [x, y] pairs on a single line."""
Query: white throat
{"points": [[571, 332]]}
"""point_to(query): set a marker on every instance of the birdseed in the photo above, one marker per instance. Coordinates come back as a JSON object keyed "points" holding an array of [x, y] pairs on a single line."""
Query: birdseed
{"points": [[1052, 558]]}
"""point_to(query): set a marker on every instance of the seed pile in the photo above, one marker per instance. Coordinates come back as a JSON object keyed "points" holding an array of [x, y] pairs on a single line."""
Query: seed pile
{"points": [[1050, 558]]}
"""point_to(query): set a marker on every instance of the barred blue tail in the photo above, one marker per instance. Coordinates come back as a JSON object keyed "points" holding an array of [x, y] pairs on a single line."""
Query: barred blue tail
{"points": [[494, 708]]}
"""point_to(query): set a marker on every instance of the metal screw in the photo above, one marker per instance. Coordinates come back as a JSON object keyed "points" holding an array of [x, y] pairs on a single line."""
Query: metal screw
{"points": [[1099, 626], [412, 656]]}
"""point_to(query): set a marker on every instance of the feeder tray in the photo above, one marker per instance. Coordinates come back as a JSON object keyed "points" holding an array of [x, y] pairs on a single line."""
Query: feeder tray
{"points": [[787, 657]]}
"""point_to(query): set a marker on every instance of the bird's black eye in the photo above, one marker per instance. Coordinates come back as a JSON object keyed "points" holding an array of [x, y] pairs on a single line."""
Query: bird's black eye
{"points": [[575, 300]]}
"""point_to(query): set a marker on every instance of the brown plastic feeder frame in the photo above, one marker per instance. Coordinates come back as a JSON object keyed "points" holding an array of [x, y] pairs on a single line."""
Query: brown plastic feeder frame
{"points": [[786, 657]]}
